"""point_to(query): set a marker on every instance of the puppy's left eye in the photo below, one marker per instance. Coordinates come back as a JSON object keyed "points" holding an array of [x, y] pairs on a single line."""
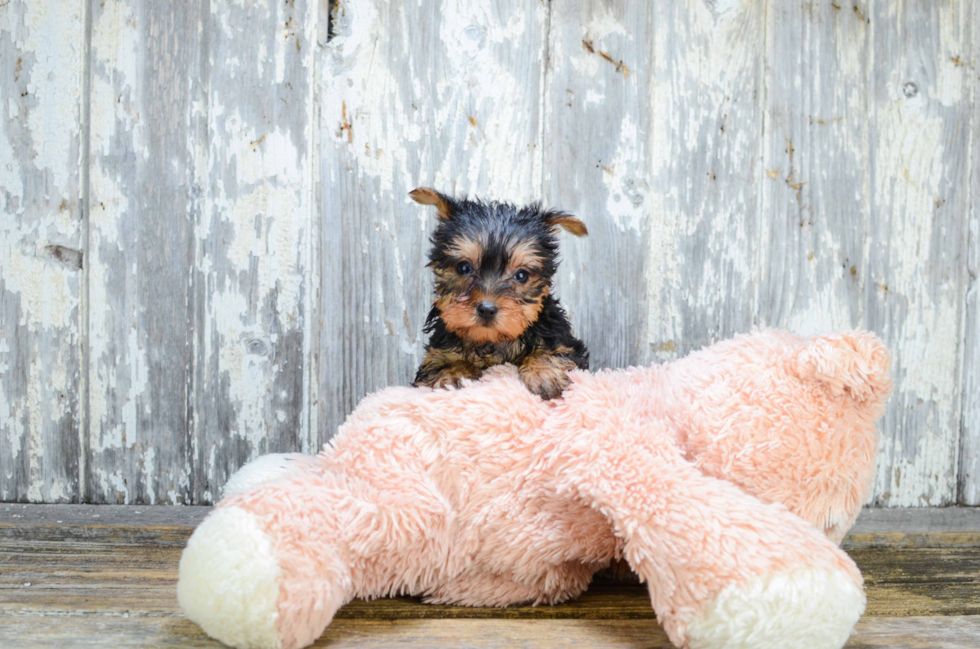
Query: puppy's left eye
{"points": [[521, 276]]}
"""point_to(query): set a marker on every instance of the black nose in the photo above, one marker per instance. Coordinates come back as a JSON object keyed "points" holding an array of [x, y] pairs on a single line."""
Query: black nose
{"points": [[486, 310]]}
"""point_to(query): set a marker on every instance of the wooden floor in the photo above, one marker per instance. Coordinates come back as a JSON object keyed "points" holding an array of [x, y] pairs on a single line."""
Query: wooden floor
{"points": [[86, 576]]}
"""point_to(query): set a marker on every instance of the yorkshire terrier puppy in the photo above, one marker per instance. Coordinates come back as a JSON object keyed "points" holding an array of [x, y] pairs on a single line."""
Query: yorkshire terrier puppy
{"points": [[493, 265]]}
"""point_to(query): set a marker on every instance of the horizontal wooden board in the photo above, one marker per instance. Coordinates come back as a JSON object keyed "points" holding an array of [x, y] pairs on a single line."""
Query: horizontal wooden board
{"points": [[208, 254], [37, 632], [870, 521]]}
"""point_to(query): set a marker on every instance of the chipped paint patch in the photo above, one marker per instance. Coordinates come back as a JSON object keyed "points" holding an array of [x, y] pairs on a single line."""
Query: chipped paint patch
{"points": [[670, 96], [41, 57], [909, 172], [52, 35], [625, 192]]}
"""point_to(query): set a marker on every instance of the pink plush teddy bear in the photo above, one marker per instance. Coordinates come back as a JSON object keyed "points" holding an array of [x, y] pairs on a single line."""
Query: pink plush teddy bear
{"points": [[725, 479]]}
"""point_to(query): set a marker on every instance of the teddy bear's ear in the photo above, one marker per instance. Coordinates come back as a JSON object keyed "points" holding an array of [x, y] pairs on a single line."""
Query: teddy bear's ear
{"points": [[857, 362], [426, 196], [567, 222]]}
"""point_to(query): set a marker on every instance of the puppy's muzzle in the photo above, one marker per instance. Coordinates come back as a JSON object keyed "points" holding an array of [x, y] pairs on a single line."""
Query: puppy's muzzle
{"points": [[486, 311]]}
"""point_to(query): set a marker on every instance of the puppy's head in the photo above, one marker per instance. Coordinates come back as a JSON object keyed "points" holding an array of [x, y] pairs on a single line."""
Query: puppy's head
{"points": [[493, 263]]}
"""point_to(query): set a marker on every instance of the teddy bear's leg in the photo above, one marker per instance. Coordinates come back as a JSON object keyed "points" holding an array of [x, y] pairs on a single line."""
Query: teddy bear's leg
{"points": [[724, 569], [229, 580], [267, 569], [271, 565]]}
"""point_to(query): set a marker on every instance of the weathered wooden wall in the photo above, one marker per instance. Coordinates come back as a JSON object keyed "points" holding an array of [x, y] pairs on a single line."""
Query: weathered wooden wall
{"points": [[207, 253]]}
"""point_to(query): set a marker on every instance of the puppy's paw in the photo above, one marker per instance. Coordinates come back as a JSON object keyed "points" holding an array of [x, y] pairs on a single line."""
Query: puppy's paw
{"points": [[547, 385], [546, 376], [450, 377]]}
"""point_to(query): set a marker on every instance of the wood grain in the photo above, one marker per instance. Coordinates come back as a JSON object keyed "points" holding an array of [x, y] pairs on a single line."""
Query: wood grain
{"points": [[872, 521], [105, 576], [254, 239], [207, 252], [707, 105], [148, 89], [88, 560], [815, 207], [42, 67], [969, 468], [916, 275], [200, 244], [917, 520], [597, 164], [32, 632], [410, 94]]}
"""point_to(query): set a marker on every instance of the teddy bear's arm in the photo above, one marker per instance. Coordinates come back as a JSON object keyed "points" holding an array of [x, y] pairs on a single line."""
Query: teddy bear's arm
{"points": [[716, 560]]}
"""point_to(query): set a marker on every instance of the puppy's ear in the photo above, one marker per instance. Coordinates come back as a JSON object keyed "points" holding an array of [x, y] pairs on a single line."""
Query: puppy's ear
{"points": [[567, 222], [425, 196]]}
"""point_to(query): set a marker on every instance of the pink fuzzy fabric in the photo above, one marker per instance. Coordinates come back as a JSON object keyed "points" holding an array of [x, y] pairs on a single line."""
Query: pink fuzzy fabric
{"points": [[736, 461]]}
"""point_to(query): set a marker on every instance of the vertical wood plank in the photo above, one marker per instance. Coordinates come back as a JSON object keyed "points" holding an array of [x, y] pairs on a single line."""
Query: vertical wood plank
{"points": [[42, 68], [444, 94], [597, 164], [816, 199], [707, 149], [969, 475], [251, 284], [148, 101], [201, 194], [916, 272], [653, 137]]}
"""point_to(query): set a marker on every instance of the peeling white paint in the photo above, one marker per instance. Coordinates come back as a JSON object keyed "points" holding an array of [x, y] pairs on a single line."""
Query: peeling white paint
{"points": [[908, 172], [11, 179], [150, 474], [114, 483], [626, 193], [115, 38], [53, 37], [47, 290], [469, 114], [40, 148]]}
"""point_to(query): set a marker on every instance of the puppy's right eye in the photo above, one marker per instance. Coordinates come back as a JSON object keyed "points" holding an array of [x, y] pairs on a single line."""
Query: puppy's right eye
{"points": [[463, 268]]}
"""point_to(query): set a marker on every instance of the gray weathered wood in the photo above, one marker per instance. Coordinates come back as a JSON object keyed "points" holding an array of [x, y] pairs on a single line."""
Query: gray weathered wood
{"points": [[915, 271], [707, 106], [920, 519], [251, 267], [410, 94], [871, 521], [200, 243], [254, 239], [148, 104], [969, 468], [186, 518], [42, 65], [816, 177], [77, 580], [597, 142]]}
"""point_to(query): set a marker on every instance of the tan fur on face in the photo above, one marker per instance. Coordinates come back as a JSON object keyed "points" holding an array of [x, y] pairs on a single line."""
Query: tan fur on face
{"points": [[513, 317], [523, 255], [466, 248]]}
